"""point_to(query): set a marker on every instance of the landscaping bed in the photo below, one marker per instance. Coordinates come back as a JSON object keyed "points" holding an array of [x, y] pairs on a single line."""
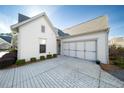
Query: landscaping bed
{"points": [[116, 56], [116, 62], [114, 70], [109, 67], [21, 62]]}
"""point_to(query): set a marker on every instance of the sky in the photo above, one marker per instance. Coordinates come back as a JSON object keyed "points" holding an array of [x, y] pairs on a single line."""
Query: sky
{"points": [[65, 16]]}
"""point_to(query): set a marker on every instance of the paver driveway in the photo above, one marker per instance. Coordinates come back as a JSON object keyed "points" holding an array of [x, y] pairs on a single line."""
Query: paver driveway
{"points": [[58, 72]]}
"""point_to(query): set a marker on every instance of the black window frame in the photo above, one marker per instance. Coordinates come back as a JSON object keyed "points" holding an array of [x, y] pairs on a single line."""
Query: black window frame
{"points": [[42, 46]]}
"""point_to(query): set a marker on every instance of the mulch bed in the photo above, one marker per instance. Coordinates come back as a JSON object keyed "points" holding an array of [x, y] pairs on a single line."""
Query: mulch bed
{"points": [[109, 67], [113, 70], [14, 65]]}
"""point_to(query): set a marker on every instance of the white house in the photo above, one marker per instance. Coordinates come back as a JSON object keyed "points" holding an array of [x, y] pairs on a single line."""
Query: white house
{"points": [[37, 36], [117, 41], [5, 42]]}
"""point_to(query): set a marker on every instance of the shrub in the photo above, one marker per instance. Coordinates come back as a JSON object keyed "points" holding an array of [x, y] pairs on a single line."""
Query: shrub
{"points": [[54, 55], [20, 62], [11, 55], [12, 50], [49, 56], [98, 62], [116, 55], [42, 57], [115, 51], [118, 61], [33, 59], [4, 62]]}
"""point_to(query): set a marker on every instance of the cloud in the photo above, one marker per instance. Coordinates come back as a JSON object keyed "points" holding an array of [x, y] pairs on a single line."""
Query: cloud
{"points": [[5, 22], [34, 10]]}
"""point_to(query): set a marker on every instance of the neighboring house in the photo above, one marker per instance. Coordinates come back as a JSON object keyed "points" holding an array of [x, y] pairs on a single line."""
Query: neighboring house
{"points": [[5, 42], [37, 36], [118, 41]]}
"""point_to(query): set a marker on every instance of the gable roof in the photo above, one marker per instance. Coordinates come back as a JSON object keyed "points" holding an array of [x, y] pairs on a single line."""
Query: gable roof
{"points": [[15, 26], [26, 21], [60, 33], [6, 38], [22, 17], [95, 25]]}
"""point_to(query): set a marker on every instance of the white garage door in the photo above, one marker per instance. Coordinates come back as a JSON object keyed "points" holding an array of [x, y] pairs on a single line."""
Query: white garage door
{"points": [[83, 49], [80, 50], [90, 50], [72, 48], [66, 49]]}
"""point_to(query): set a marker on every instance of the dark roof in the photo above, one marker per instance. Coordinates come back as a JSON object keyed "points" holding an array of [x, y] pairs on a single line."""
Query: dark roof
{"points": [[22, 17], [6, 38], [61, 33]]}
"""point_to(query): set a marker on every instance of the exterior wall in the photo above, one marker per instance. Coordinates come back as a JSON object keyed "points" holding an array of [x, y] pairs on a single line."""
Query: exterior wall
{"points": [[89, 26], [28, 39], [102, 44]]}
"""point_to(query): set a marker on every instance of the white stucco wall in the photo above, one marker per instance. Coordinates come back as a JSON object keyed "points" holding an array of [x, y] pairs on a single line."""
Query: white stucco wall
{"points": [[28, 39], [102, 43]]}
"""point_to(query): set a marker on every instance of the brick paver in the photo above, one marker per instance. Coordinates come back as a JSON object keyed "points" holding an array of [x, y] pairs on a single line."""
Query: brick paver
{"points": [[60, 72]]}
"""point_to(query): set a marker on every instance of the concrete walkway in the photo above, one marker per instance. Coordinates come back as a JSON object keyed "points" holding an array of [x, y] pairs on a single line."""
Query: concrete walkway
{"points": [[61, 72]]}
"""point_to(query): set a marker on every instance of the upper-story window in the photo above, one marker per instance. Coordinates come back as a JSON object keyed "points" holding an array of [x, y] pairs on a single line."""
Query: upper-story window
{"points": [[43, 28]]}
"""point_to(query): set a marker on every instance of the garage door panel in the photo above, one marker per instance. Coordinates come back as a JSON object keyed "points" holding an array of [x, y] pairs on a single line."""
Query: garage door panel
{"points": [[72, 46], [90, 46], [72, 53], [81, 49], [80, 54], [80, 45], [90, 55], [66, 52], [66, 46]]}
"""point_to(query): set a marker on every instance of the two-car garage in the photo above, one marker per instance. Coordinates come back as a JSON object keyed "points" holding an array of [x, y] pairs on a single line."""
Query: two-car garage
{"points": [[91, 47], [87, 41], [81, 49]]}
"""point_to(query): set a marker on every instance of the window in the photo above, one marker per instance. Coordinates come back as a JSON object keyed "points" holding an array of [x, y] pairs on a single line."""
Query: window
{"points": [[42, 48], [43, 28]]}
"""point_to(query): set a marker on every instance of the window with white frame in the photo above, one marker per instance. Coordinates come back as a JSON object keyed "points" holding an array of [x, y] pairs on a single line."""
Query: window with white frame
{"points": [[42, 46]]}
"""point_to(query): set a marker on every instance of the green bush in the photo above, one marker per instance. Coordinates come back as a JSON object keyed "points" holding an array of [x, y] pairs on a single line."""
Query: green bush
{"points": [[49, 56], [12, 50], [33, 59], [4, 62], [20, 62], [112, 58], [98, 62], [42, 57], [119, 61], [54, 55]]}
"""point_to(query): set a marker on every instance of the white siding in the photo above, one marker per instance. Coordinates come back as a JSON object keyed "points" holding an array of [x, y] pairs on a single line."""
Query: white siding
{"points": [[102, 45], [29, 36]]}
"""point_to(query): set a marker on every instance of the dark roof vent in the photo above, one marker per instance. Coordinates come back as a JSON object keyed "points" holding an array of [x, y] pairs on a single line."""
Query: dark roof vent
{"points": [[22, 17]]}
